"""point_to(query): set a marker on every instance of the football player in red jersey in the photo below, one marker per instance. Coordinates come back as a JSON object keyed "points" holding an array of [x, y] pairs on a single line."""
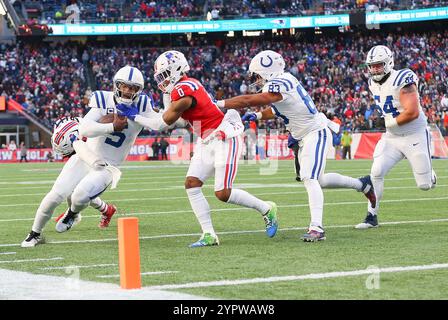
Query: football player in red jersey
{"points": [[218, 148]]}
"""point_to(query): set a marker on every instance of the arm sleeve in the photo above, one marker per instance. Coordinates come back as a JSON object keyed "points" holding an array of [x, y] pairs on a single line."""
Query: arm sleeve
{"points": [[276, 87], [407, 77], [90, 127], [153, 122], [182, 90]]}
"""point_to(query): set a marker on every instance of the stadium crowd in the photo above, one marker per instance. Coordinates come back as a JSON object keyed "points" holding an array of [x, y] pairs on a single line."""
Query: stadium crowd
{"points": [[170, 10], [53, 80]]}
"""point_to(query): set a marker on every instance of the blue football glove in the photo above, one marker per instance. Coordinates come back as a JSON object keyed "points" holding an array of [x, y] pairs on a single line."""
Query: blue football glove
{"points": [[249, 117], [129, 111], [292, 141]]}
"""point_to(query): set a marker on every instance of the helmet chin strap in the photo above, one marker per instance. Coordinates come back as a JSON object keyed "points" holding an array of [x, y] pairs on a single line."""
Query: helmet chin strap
{"points": [[383, 79]]}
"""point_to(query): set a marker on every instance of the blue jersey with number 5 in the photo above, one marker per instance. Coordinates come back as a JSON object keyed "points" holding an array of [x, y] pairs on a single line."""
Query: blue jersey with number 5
{"points": [[297, 108], [114, 147]]}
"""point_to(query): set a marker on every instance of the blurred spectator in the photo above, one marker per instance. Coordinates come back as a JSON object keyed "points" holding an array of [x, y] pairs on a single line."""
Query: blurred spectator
{"points": [[346, 142], [50, 156], [23, 152], [12, 146], [72, 11], [155, 149], [164, 144], [337, 137]]}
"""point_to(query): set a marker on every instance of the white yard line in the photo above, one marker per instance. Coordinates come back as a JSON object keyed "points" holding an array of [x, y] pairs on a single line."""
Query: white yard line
{"points": [[142, 274], [180, 175], [228, 232], [261, 186], [148, 181], [299, 186], [7, 253], [81, 267], [17, 285], [311, 276], [240, 208], [31, 260]]}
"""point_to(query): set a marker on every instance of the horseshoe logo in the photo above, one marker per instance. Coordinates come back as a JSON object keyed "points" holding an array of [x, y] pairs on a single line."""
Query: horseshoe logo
{"points": [[268, 64]]}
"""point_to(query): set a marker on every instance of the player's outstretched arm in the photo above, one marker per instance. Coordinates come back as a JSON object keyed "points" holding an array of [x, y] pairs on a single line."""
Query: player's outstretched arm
{"points": [[409, 100], [250, 100], [90, 127], [265, 114], [163, 121]]}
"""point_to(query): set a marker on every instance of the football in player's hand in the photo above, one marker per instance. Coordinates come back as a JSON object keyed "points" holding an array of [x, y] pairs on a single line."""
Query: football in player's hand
{"points": [[108, 118]]}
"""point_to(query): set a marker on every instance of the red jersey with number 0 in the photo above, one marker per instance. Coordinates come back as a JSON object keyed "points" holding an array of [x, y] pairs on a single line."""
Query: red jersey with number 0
{"points": [[205, 115]]}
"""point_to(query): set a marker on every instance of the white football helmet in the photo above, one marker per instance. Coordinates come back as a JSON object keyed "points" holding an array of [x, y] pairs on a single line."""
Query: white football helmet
{"points": [[169, 68], [129, 76], [267, 65], [60, 140], [380, 54]]}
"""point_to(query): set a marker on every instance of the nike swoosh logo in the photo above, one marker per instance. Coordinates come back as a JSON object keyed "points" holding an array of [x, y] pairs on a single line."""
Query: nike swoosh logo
{"points": [[414, 144]]}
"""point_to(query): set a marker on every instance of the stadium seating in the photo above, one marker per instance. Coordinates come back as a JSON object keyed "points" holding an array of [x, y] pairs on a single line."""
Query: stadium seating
{"points": [[168, 10], [60, 81]]}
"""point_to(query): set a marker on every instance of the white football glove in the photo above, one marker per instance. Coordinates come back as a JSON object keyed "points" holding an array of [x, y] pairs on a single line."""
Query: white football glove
{"points": [[390, 121]]}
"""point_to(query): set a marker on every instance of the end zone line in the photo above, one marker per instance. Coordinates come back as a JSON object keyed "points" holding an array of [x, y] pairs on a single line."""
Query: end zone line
{"points": [[229, 232], [310, 276]]}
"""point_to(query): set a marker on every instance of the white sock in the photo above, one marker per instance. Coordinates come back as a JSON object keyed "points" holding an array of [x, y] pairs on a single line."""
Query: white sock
{"points": [[45, 210], [201, 209], [245, 199], [336, 180], [378, 185], [98, 204], [315, 201]]}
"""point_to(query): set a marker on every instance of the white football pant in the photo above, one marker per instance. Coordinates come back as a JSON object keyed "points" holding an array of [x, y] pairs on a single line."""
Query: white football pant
{"points": [[393, 148], [77, 181]]}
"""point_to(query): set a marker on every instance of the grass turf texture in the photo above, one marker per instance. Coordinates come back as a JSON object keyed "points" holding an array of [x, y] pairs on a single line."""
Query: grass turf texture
{"points": [[153, 191]]}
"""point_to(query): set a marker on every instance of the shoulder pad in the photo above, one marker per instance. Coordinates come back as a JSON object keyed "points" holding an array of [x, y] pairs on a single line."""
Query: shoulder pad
{"points": [[404, 77]]}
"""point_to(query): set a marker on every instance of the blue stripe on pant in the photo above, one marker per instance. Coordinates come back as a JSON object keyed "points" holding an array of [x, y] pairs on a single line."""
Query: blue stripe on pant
{"points": [[322, 153], [316, 156]]}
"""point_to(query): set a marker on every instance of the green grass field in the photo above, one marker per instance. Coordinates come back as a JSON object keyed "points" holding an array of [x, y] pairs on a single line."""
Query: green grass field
{"points": [[414, 233]]}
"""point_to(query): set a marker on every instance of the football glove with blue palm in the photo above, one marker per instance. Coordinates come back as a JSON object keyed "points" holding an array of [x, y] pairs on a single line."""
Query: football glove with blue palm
{"points": [[130, 111], [249, 117]]}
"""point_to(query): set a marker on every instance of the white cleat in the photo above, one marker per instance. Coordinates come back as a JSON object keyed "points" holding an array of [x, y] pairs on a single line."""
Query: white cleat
{"points": [[32, 240], [67, 221]]}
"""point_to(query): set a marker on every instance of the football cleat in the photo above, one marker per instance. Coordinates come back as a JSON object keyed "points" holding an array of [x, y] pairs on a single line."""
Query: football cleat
{"points": [[107, 216], [368, 190], [314, 234], [371, 221], [206, 240], [32, 240], [67, 220], [270, 218]]}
